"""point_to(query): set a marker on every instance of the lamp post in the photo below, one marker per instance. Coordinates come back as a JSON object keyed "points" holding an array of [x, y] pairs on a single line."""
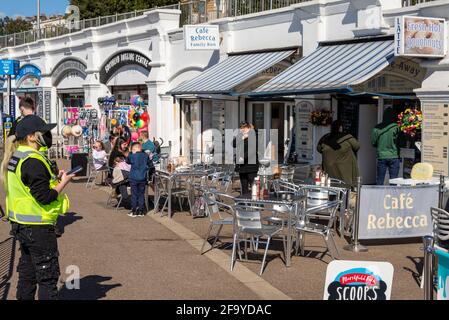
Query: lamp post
{"points": [[38, 21]]}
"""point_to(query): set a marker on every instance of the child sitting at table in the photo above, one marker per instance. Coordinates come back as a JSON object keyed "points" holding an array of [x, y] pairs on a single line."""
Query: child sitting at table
{"points": [[138, 178]]}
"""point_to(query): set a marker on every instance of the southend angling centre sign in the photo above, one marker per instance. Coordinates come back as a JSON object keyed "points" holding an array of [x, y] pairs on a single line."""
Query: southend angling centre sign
{"points": [[358, 280], [420, 37], [388, 212], [201, 37], [120, 60]]}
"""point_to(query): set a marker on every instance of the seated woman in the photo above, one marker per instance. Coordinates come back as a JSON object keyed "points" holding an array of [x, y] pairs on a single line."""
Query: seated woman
{"points": [[120, 180], [119, 149], [99, 155]]}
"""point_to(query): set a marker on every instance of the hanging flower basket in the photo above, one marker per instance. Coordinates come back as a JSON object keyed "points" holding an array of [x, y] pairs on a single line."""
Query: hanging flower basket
{"points": [[321, 118], [410, 121]]}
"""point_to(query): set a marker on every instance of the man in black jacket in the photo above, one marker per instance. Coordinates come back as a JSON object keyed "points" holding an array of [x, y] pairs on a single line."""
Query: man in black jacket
{"points": [[26, 107]]}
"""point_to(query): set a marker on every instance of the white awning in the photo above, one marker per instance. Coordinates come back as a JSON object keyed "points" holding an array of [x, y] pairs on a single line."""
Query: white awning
{"points": [[223, 77], [331, 67]]}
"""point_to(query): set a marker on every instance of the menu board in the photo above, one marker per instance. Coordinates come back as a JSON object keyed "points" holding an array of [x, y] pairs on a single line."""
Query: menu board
{"points": [[40, 108], [435, 139], [47, 97], [304, 130], [218, 115], [348, 114]]}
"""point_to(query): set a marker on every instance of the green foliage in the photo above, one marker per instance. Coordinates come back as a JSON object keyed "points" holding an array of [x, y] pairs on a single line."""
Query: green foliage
{"points": [[95, 8], [9, 25]]}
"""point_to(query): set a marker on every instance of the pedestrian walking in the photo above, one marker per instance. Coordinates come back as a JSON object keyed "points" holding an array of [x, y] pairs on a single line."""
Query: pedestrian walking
{"points": [[138, 179], [385, 137], [34, 200], [339, 154], [246, 156], [26, 107]]}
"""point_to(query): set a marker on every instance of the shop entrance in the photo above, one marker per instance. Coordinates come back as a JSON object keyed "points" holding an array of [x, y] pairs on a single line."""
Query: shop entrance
{"points": [[190, 129], [124, 93], [359, 117], [273, 116], [409, 153], [277, 123]]}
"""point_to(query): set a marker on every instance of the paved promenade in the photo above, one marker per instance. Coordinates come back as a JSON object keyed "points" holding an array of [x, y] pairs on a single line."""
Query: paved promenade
{"points": [[157, 258]]}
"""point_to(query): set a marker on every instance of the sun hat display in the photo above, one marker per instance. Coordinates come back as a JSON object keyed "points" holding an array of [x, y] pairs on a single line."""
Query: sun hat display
{"points": [[67, 131], [77, 131]]}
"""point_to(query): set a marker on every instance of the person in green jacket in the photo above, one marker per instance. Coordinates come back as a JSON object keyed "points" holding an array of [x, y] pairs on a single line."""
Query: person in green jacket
{"points": [[339, 154], [385, 137]]}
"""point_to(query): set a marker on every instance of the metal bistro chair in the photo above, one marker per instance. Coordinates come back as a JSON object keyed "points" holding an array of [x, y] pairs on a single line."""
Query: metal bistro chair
{"points": [[220, 213], [248, 223], [326, 210], [114, 195], [440, 227], [178, 190], [282, 186], [221, 180], [93, 173], [166, 151], [440, 222]]}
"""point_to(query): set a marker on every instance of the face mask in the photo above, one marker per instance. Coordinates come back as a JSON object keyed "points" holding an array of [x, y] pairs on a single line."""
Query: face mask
{"points": [[44, 140], [48, 138]]}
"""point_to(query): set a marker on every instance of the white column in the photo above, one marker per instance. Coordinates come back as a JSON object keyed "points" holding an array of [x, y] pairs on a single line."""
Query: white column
{"points": [[164, 115], [93, 89]]}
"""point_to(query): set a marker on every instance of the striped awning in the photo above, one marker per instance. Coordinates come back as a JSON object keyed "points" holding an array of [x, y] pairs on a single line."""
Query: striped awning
{"points": [[223, 77], [331, 68]]}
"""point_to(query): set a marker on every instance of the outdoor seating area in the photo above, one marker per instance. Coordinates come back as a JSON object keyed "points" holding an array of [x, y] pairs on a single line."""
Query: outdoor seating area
{"points": [[289, 212]]}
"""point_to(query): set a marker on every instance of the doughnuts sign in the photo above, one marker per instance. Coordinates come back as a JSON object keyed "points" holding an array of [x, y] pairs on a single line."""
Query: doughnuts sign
{"points": [[420, 37]]}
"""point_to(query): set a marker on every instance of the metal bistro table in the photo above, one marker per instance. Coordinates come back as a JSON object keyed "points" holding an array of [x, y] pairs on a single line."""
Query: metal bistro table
{"points": [[296, 204], [170, 179]]}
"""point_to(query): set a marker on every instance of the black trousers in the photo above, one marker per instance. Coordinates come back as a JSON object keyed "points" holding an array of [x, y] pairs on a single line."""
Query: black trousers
{"points": [[246, 181], [38, 264]]}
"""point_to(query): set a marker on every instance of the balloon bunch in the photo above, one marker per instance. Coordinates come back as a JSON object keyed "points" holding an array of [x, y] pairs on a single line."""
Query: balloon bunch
{"points": [[138, 119], [137, 101]]}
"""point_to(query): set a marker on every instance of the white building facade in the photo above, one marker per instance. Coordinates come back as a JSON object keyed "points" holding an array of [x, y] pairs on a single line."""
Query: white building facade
{"points": [[146, 55]]}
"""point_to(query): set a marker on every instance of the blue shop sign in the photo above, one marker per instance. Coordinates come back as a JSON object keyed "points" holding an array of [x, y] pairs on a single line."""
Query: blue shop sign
{"points": [[9, 67], [28, 69]]}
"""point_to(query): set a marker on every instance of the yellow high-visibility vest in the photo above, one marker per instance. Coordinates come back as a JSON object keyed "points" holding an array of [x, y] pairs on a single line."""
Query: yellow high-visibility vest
{"points": [[21, 206]]}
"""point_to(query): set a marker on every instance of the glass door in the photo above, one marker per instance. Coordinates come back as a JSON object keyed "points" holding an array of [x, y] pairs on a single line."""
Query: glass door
{"points": [[278, 124]]}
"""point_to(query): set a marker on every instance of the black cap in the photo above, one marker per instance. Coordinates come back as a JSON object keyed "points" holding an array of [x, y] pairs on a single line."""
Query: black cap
{"points": [[31, 124]]}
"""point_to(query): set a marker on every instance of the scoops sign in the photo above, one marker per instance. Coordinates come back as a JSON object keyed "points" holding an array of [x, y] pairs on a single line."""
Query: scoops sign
{"points": [[201, 37], [358, 280]]}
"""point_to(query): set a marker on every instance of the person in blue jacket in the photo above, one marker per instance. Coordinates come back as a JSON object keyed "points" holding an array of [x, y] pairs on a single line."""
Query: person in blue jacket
{"points": [[141, 165]]}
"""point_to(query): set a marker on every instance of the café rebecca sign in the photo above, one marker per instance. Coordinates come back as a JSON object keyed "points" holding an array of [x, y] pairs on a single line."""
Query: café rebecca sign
{"points": [[388, 212]]}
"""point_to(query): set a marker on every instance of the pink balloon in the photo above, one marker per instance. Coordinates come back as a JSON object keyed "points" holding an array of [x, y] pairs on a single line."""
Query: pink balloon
{"points": [[134, 136]]}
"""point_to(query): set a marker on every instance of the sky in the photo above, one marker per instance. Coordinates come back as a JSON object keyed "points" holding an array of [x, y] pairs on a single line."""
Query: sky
{"points": [[27, 8]]}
